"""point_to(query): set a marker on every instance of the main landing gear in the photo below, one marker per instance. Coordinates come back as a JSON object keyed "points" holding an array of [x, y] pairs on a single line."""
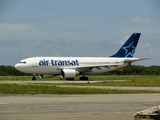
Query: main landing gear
{"points": [[80, 78], [83, 78], [69, 79]]}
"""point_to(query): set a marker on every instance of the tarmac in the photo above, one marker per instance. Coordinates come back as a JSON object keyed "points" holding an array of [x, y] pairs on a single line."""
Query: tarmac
{"points": [[75, 107]]}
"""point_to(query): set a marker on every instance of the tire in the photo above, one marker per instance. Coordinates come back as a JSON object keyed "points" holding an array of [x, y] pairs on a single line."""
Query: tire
{"points": [[69, 79], [34, 78], [84, 78]]}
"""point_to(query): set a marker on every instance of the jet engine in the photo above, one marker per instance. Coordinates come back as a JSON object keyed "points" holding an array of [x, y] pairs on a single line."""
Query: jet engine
{"points": [[69, 73]]}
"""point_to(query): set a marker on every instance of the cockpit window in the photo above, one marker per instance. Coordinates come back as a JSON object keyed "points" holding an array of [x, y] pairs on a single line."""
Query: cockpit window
{"points": [[22, 62]]}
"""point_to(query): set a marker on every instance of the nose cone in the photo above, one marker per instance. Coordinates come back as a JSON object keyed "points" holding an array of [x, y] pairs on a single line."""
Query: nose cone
{"points": [[16, 66], [19, 67]]}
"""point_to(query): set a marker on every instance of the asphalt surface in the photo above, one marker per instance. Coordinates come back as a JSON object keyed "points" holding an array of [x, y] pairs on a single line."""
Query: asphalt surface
{"points": [[75, 107]]}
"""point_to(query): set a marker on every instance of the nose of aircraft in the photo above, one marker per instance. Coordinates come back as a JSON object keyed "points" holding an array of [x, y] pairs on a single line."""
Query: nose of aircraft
{"points": [[18, 67]]}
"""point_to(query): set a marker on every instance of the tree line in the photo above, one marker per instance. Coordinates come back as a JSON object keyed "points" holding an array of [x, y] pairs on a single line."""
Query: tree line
{"points": [[10, 71], [136, 70], [128, 70]]}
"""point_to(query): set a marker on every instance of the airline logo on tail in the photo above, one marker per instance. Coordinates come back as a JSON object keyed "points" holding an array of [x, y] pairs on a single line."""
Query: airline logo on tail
{"points": [[129, 50]]}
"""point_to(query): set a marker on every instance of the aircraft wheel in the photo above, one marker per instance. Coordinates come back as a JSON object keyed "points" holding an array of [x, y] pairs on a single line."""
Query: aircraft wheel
{"points": [[84, 78], [69, 79], [33, 78]]}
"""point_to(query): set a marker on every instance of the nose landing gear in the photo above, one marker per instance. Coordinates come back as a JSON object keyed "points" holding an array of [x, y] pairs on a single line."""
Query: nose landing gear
{"points": [[34, 77]]}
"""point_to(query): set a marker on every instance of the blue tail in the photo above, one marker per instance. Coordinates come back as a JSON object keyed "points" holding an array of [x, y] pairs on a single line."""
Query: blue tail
{"points": [[129, 47]]}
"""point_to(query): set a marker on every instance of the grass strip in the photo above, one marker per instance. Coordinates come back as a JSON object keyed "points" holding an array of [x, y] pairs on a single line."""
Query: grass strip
{"points": [[97, 77], [131, 83], [53, 89]]}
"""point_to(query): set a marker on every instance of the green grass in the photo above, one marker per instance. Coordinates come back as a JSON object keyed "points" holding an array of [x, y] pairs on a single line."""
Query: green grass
{"points": [[53, 89], [143, 81], [133, 83], [91, 78], [146, 81], [27, 78], [125, 77]]}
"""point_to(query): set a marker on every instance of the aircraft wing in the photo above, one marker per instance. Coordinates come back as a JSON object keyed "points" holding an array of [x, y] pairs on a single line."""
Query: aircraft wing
{"points": [[89, 67]]}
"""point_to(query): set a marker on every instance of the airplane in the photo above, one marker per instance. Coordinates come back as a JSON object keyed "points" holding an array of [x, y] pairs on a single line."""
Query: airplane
{"points": [[70, 67]]}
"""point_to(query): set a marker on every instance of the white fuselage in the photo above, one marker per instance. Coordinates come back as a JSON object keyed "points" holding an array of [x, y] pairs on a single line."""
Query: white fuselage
{"points": [[54, 65]]}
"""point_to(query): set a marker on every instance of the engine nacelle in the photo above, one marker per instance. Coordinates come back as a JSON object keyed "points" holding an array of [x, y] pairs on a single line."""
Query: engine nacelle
{"points": [[45, 76], [69, 73]]}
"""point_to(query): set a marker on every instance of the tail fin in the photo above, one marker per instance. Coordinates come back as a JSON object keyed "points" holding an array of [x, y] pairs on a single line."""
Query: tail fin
{"points": [[129, 47]]}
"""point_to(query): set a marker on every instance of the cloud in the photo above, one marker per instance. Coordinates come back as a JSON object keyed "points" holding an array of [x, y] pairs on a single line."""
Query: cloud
{"points": [[123, 39], [19, 31], [140, 20], [76, 25], [15, 31], [14, 27]]}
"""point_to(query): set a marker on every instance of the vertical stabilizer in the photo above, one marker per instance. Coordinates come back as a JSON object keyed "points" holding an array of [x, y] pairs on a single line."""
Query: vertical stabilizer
{"points": [[129, 47]]}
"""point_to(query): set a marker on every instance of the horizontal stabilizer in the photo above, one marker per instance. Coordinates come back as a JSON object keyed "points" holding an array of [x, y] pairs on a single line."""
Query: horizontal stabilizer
{"points": [[135, 60]]}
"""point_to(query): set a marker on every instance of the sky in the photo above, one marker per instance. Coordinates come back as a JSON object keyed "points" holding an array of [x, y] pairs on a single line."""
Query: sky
{"points": [[84, 28]]}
